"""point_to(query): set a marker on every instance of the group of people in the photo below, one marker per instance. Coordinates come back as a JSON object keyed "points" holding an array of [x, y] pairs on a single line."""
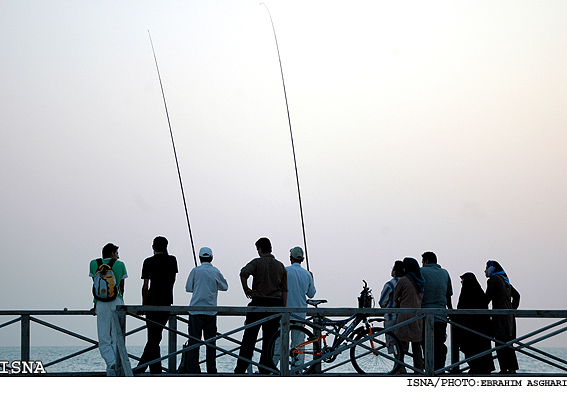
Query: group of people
{"points": [[273, 285], [430, 287]]}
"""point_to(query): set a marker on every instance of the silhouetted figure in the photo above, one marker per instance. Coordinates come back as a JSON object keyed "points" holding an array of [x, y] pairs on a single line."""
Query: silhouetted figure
{"points": [[300, 286], [503, 295], [408, 294], [269, 289], [104, 309], [472, 297], [158, 272], [437, 294], [387, 300], [204, 282]]}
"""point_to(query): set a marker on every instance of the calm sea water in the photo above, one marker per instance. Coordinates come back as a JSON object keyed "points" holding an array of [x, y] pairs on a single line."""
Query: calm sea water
{"points": [[91, 361]]}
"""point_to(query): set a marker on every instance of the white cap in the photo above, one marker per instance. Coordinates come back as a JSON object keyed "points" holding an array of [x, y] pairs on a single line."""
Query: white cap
{"points": [[205, 252]]}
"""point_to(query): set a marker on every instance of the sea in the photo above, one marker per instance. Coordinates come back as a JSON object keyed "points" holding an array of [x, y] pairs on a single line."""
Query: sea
{"points": [[92, 362]]}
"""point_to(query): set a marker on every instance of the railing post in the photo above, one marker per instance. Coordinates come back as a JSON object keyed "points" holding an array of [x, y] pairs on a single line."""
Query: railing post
{"points": [[317, 345], [172, 344], [284, 347], [454, 351], [25, 340], [429, 344], [118, 323]]}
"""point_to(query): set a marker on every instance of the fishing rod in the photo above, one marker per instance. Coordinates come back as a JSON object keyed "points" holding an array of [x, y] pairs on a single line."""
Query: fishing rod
{"points": [[174, 151], [291, 135]]}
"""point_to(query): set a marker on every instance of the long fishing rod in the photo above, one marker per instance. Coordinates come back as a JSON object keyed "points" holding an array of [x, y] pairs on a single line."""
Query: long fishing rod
{"points": [[291, 135], [174, 151]]}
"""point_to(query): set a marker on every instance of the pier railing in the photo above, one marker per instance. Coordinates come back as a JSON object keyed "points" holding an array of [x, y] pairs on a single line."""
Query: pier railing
{"points": [[227, 343]]}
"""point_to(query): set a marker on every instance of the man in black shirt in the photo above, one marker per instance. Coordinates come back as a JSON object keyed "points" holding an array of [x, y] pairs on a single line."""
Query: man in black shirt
{"points": [[158, 273]]}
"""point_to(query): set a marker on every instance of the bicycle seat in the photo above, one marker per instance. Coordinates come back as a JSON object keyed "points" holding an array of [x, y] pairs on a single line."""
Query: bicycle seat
{"points": [[315, 303]]}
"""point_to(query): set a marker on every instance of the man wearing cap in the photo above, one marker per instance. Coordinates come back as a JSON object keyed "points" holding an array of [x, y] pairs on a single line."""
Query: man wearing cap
{"points": [[204, 282], [300, 285], [269, 289]]}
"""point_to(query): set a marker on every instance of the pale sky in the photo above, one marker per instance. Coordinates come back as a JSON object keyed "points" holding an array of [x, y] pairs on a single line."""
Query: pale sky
{"points": [[418, 125]]}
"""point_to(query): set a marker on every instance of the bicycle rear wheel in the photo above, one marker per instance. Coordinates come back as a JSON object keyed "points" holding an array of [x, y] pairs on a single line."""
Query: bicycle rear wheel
{"points": [[301, 350], [372, 356]]}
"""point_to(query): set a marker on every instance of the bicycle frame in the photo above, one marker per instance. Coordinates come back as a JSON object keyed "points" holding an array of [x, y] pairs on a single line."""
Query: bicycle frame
{"points": [[357, 334], [338, 325]]}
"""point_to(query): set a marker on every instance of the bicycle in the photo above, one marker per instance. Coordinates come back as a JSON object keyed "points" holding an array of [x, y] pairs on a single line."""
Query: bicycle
{"points": [[369, 350]]}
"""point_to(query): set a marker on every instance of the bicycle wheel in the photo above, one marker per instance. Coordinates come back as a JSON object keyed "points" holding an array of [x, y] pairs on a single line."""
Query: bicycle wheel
{"points": [[301, 351], [373, 356]]}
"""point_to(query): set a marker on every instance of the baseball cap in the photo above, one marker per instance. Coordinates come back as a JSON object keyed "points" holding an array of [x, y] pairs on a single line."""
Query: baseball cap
{"points": [[205, 252], [296, 253]]}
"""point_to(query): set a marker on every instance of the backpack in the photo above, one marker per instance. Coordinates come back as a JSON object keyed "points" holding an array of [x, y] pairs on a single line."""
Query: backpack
{"points": [[105, 287]]}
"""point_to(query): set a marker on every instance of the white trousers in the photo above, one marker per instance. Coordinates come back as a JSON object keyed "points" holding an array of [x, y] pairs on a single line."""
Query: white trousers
{"points": [[106, 341]]}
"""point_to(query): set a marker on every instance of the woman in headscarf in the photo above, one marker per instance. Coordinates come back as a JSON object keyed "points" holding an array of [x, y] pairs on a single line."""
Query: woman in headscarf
{"points": [[387, 300], [503, 295], [473, 297], [409, 294]]}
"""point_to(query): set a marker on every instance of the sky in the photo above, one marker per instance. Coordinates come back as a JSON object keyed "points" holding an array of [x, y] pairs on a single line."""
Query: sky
{"points": [[418, 126]]}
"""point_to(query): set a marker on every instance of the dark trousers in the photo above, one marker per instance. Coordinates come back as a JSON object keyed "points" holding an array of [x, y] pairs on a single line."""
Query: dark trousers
{"points": [[151, 350], [269, 328], [506, 356], [439, 347], [207, 326]]}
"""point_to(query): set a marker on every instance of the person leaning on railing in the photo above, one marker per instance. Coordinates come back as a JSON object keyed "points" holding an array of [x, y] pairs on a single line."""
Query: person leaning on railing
{"points": [[503, 295]]}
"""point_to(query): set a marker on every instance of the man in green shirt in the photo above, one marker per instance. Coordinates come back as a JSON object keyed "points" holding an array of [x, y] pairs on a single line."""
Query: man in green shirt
{"points": [[104, 309]]}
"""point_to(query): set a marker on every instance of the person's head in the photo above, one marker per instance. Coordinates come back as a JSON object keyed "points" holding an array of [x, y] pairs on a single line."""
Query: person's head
{"points": [[296, 255], [160, 244], [398, 269], [110, 251], [469, 278], [428, 258], [205, 254], [492, 267], [264, 246], [411, 266]]}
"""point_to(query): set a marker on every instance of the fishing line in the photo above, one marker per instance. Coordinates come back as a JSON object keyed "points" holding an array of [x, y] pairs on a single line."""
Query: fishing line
{"points": [[291, 135], [174, 151]]}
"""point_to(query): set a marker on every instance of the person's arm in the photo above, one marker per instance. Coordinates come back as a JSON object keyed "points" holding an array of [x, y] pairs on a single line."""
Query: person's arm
{"points": [[145, 291], [189, 283], [222, 284], [93, 310], [449, 292], [397, 295], [515, 298], [489, 290], [247, 291], [311, 290], [385, 295], [449, 304], [284, 298]]}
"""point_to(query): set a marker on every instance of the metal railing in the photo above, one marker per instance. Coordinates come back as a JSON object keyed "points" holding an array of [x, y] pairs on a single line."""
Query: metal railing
{"points": [[524, 344]]}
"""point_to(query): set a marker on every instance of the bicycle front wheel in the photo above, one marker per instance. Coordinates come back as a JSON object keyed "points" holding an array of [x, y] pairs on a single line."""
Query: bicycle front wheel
{"points": [[376, 355], [301, 350]]}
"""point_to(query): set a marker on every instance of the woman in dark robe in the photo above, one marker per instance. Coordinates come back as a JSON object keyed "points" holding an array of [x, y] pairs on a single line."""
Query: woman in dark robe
{"points": [[503, 295], [472, 297]]}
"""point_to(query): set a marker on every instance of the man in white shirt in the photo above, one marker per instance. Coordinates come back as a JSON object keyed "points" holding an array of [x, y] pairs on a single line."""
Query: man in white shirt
{"points": [[300, 285], [299, 282], [204, 282]]}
